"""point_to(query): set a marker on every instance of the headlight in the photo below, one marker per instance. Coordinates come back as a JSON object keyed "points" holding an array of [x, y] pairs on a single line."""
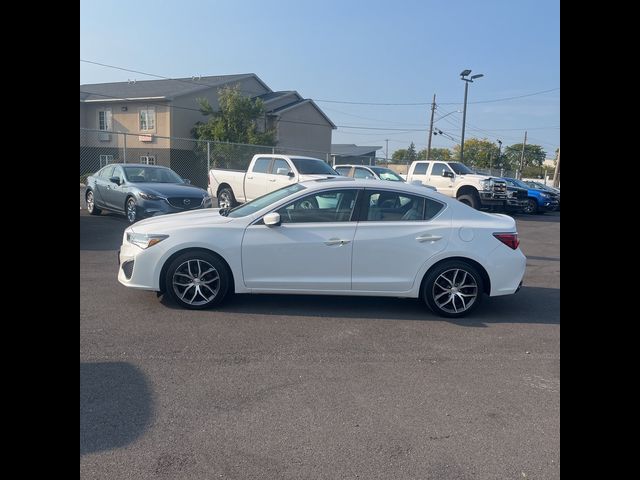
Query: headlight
{"points": [[145, 240], [487, 184], [149, 196], [545, 195]]}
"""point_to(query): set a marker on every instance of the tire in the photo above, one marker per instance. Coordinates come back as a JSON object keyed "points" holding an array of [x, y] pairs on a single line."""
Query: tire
{"points": [[532, 206], [226, 198], [91, 204], [197, 280], [436, 290], [470, 199], [131, 210]]}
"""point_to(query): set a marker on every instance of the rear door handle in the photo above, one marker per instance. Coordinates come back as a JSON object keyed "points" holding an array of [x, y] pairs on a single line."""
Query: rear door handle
{"points": [[428, 238], [249, 178], [336, 241], [272, 180]]}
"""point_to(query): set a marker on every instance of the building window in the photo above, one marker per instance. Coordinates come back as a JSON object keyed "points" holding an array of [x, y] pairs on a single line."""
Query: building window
{"points": [[147, 119], [105, 160], [104, 119], [148, 159]]}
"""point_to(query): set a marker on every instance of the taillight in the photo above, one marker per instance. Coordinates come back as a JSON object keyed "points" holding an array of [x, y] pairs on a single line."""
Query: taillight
{"points": [[509, 239]]}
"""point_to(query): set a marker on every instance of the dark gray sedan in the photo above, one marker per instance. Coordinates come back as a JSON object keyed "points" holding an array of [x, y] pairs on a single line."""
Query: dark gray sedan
{"points": [[141, 191]]}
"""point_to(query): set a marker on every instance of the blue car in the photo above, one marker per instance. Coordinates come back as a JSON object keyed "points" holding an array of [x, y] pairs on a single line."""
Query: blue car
{"points": [[140, 191], [538, 200]]}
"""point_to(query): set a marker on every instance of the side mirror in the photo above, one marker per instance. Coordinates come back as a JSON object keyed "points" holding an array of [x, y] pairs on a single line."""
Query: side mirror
{"points": [[291, 174], [282, 171], [271, 219], [446, 173], [187, 181], [115, 180]]}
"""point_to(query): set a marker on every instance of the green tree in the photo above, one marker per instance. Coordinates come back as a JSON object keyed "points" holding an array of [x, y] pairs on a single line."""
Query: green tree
{"points": [[443, 154], [534, 155], [399, 156], [411, 153], [235, 121], [478, 153]]}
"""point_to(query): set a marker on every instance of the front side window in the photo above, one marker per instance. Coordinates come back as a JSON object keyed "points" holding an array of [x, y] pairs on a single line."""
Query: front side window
{"points": [[362, 173], [421, 168], [104, 119], [106, 172], [279, 163], [151, 175], [117, 172], [261, 165], [388, 206], [329, 206], [147, 119], [438, 168]]}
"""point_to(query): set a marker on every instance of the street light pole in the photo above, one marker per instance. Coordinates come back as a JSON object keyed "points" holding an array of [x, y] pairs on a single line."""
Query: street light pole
{"points": [[464, 112], [499, 152]]}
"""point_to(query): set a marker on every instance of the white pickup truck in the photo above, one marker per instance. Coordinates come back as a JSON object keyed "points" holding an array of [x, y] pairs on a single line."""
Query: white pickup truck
{"points": [[456, 180], [265, 174]]}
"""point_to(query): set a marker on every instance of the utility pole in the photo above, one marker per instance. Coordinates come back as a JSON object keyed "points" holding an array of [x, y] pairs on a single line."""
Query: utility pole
{"points": [[556, 174], [433, 109], [499, 152], [386, 153], [522, 154]]}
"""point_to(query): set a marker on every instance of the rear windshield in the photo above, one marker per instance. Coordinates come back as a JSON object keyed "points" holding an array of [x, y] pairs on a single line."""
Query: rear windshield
{"points": [[313, 166]]}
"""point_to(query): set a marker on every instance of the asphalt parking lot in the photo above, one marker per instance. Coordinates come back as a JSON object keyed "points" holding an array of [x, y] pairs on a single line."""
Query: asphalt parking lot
{"points": [[320, 387]]}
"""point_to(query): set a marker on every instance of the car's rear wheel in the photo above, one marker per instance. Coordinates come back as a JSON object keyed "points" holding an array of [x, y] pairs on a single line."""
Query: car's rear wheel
{"points": [[197, 280], [453, 289], [131, 210], [531, 206], [226, 198], [91, 204]]}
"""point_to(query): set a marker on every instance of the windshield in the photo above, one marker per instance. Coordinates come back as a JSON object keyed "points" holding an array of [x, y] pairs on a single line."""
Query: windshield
{"points": [[261, 202], [459, 168], [313, 166], [387, 174], [151, 175]]}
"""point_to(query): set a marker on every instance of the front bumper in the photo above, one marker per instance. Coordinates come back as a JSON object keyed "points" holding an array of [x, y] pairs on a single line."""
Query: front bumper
{"points": [[492, 198], [548, 206], [153, 208]]}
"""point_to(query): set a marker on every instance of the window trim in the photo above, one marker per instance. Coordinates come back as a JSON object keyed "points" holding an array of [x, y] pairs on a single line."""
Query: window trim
{"points": [[107, 158], [146, 161], [146, 109], [108, 119]]}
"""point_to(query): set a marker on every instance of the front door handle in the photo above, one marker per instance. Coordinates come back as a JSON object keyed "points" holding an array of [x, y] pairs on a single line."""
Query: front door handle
{"points": [[336, 241], [272, 179], [428, 238]]}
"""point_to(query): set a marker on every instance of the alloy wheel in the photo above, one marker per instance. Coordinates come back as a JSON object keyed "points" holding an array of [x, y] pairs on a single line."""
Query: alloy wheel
{"points": [[131, 210], [224, 201], [196, 282], [90, 202], [455, 290]]}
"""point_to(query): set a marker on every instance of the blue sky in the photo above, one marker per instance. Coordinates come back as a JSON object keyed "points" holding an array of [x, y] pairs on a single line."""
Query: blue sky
{"points": [[370, 51]]}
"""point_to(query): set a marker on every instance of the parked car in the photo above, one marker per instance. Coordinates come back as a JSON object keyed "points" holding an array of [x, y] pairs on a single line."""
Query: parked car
{"points": [[538, 200], [374, 173], [140, 191], [265, 174], [339, 236], [546, 188], [458, 181]]}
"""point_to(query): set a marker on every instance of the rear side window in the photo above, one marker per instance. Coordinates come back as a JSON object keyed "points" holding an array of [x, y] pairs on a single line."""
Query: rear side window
{"points": [[388, 206], [421, 168], [261, 165], [343, 170], [363, 173]]}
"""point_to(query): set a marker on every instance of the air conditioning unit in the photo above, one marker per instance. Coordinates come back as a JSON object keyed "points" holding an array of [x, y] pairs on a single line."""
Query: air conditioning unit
{"points": [[104, 137]]}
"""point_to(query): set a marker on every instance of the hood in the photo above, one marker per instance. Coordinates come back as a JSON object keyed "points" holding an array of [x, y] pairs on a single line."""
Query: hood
{"points": [[163, 223], [170, 189]]}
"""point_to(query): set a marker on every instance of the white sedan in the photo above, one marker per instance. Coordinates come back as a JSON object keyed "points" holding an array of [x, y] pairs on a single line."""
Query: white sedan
{"points": [[339, 236]]}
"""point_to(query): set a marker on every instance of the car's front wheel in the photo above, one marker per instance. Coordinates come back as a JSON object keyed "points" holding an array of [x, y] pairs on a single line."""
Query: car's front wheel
{"points": [[91, 204], [453, 289], [531, 206], [131, 209], [197, 280]]}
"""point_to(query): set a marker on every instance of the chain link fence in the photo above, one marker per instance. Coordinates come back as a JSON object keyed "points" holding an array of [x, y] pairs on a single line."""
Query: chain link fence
{"points": [[188, 157]]}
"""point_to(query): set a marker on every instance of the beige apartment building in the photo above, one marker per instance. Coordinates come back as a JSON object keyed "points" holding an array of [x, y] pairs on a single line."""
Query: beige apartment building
{"points": [[152, 109]]}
